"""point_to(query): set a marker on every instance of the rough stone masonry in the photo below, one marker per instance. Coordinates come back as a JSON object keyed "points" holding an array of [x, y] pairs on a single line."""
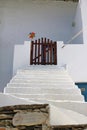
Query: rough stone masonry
{"points": [[30, 117]]}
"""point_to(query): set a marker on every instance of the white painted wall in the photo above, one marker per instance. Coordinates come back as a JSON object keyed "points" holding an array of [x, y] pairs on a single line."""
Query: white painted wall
{"points": [[75, 55], [21, 56], [51, 19]]}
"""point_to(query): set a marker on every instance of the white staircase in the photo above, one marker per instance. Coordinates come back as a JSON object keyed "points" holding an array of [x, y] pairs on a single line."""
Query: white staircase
{"points": [[48, 84], [44, 84]]}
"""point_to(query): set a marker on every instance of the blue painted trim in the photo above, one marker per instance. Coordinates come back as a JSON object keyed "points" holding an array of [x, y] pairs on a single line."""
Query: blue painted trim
{"points": [[83, 86]]}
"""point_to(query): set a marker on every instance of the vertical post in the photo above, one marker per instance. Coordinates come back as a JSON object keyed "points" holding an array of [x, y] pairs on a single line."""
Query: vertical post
{"points": [[42, 51], [38, 51], [45, 40], [48, 51], [35, 51], [55, 53], [29, 50], [51, 52]]}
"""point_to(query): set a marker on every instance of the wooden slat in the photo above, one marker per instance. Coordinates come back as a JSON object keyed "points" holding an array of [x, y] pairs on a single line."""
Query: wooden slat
{"points": [[55, 54], [42, 50], [44, 40], [44, 54], [51, 52], [38, 51], [48, 51], [35, 50]]}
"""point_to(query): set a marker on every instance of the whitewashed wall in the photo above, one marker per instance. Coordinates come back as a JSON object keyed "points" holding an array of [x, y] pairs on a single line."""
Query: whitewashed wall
{"points": [[75, 55], [21, 57], [20, 17]]}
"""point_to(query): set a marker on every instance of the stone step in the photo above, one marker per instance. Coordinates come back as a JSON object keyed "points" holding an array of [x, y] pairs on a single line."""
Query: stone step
{"points": [[41, 77], [78, 106], [27, 90], [41, 81], [44, 67], [42, 85], [54, 97], [41, 70], [43, 73]]}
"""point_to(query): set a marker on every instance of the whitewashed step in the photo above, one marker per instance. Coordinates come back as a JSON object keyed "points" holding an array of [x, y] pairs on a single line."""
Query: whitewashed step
{"points": [[46, 66], [43, 85], [46, 81], [46, 71], [77, 106], [42, 73], [51, 97], [41, 77], [27, 90]]}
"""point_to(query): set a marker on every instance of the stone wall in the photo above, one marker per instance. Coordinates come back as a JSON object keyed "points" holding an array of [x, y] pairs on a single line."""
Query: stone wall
{"points": [[21, 117], [69, 127], [30, 117]]}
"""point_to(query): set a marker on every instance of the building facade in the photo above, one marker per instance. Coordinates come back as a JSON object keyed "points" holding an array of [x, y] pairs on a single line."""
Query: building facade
{"points": [[62, 21]]}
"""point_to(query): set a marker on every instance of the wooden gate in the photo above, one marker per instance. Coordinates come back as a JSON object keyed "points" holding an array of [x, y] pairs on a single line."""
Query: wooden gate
{"points": [[44, 52]]}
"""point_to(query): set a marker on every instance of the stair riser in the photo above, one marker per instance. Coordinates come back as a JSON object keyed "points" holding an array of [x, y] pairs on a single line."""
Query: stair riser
{"points": [[43, 74], [33, 85], [42, 71], [43, 91], [42, 81], [39, 77], [42, 78]]}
